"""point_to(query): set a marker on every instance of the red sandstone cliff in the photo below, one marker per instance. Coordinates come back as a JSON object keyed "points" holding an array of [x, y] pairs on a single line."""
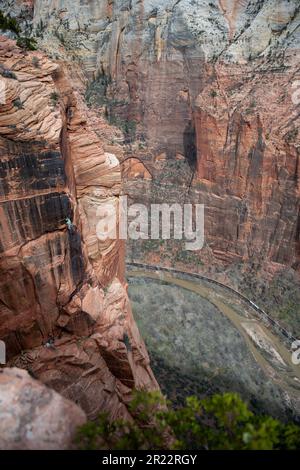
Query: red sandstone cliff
{"points": [[209, 81], [248, 163], [64, 310]]}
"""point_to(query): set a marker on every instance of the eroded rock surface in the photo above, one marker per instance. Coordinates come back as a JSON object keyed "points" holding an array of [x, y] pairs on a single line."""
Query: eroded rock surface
{"points": [[34, 417], [64, 310], [207, 95], [211, 82]]}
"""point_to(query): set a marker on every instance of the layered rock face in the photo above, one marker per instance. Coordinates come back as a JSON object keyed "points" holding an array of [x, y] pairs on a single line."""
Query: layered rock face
{"points": [[208, 86], [211, 82], [64, 310], [248, 165]]}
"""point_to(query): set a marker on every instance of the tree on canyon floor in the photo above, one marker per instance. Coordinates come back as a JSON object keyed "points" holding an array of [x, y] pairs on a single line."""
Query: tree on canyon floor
{"points": [[220, 422], [7, 23]]}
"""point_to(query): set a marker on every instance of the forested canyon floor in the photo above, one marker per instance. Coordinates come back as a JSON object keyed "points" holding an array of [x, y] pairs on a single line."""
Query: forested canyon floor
{"points": [[202, 341]]}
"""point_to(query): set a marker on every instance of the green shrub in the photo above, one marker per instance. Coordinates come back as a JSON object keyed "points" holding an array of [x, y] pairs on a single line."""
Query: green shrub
{"points": [[96, 91], [126, 341], [54, 97], [128, 127], [27, 43], [97, 95], [292, 135], [7, 23], [6, 73], [215, 423], [121, 434], [18, 103], [40, 28]]}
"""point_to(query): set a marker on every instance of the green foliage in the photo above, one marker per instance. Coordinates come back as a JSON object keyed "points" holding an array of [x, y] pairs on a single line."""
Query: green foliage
{"points": [[7, 23], [223, 422], [215, 423], [54, 97], [26, 43], [290, 437], [40, 28], [152, 245], [6, 73], [128, 127], [126, 341], [213, 93], [18, 103], [121, 434], [97, 95], [184, 256], [292, 135], [96, 91]]}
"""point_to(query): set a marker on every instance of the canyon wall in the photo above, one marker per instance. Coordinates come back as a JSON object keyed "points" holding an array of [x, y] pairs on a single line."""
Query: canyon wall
{"points": [[206, 96], [64, 309], [210, 82]]}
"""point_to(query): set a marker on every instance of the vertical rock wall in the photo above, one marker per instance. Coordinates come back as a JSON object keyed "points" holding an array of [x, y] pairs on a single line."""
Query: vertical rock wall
{"points": [[64, 310]]}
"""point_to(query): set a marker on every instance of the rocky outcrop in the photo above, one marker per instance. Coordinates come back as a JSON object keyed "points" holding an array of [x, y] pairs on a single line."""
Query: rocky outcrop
{"points": [[209, 81], [34, 417], [64, 310], [247, 164]]}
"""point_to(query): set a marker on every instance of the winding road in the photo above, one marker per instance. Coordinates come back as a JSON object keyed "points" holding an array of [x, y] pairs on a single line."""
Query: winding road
{"points": [[267, 348], [264, 315]]}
